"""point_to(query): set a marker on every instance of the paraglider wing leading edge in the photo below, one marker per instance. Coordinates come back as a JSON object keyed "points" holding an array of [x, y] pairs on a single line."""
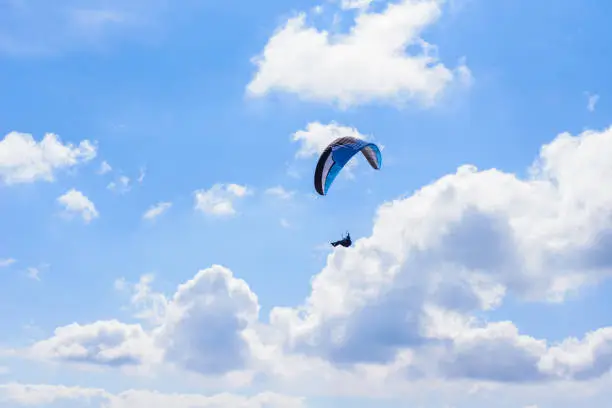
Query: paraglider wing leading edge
{"points": [[337, 154]]}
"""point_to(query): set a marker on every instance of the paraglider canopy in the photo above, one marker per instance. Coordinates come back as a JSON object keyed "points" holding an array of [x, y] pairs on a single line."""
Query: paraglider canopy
{"points": [[337, 154], [345, 242]]}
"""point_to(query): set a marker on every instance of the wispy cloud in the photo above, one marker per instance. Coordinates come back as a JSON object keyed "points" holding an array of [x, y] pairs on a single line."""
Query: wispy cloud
{"points": [[156, 210], [33, 273], [141, 175], [121, 185], [592, 101], [6, 262], [280, 192], [41, 27], [104, 168]]}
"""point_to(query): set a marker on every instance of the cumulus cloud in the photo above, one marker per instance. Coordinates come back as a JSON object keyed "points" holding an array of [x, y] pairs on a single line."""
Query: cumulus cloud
{"points": [[202, 328], [156, 210], [371, 62], [495, 352], [110, 343], [41, 394], [24, 160], [581, 359], [219, 199], [76, 203]]}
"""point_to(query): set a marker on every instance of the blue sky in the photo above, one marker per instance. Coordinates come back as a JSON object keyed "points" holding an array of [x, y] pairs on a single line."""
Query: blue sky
{"points": [[162, 243]]}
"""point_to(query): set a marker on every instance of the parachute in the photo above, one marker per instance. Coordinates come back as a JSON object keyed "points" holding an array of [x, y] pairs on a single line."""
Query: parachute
{"points": [[337, 154]]}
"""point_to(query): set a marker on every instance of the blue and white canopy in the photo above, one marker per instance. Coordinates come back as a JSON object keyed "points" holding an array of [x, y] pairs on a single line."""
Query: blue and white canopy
{"points": [[337, 154]]}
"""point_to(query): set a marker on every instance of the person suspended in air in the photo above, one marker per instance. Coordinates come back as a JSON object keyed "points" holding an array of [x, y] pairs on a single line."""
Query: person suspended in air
{"points": [[345, 242], [334, 158]]}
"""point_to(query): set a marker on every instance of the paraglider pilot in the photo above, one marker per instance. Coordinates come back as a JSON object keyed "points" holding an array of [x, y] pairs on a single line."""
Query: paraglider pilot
{"points": [[345, 242]]}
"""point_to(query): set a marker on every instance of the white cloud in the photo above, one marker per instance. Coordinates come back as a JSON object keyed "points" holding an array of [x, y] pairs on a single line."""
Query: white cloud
{"points": [[104, 168], [156, 210], [581, 359], [206, 322], [24, 160], [369, 63], [280, 192], [75, 202], [494, 352], [592, 101], [219, 199], [121, 186], [109, 343], [284, 223], [39, 394], [6, 262], [202, 328], [315, 138]]}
